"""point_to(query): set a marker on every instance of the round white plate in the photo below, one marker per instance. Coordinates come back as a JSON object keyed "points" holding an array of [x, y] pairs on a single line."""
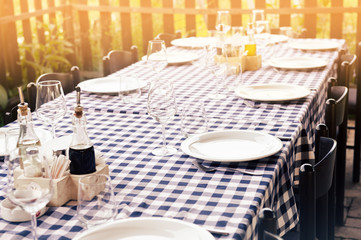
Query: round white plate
{"points": [[272, 92], [178, 58], [108, 85], [297, 63], [231, 145], [146, 228], [314, 45], [44, 136], [192, 42]]}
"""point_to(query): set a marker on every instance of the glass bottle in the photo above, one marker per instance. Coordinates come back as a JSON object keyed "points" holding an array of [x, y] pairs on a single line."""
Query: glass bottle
{"points": [[27, 136], [81, 150], [250, 46]]}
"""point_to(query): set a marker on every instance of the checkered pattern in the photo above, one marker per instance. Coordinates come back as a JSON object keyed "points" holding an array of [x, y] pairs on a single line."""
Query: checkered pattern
{"points": [[147, 185]]}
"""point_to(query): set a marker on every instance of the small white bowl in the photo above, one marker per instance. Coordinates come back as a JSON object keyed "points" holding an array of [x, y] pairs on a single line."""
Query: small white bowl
{"points": [[13, 213]]}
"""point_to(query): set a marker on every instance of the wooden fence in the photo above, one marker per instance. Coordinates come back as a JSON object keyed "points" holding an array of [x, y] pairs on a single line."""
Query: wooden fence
{"points": [[73, 16]]}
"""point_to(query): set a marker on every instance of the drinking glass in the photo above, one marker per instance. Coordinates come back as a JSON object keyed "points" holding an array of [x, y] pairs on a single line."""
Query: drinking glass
{"points": [[223, 21], [194, 119], [96, 200], [257, 15], [161, 105], [129, 88], [50, 102], [234, 60], [157, 55], [237, 30], [31, 193], [216, 65]]}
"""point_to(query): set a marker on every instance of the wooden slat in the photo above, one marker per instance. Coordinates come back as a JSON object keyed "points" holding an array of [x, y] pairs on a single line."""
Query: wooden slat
{"points": [[261, 4], [168, 19], [336, 21], [147, 25], [2, 46], [11, 49], [68, 26], [212, 5], [105, 22], [236, 19], [358, 33], [28, 40], [52, 16], [40, 21], [84, 37], [126, 26], [191, 27], [311, 19], [285, 19]]}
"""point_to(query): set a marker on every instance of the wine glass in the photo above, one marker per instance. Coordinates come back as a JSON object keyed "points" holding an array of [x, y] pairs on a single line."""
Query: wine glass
{"points": [[129, 88], [50, 102], [29, 187], [96, 200], [216, 65], [161, 105], [223, 21], [157, 55], [257, 15]]}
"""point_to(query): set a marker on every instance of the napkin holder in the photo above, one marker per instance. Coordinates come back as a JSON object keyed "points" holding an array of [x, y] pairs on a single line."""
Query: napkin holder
{"points": [[248, 63], [65, 188]]}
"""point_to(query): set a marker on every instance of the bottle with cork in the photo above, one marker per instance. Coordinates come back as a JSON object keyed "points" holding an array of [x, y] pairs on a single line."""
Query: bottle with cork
{"points": [[27, 136], [81, 150], [250, 46]]}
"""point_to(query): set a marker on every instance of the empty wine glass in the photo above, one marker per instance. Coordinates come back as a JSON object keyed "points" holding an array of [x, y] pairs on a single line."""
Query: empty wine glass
{"points": [[223, 21], [257, 15], [216, 65], [162, 106], [96, 200], [129, 88], [31, 188], [50, 102], [157, 55]]}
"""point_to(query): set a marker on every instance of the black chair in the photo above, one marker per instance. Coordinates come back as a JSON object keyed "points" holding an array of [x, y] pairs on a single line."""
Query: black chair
{"points": [[267, 225], [315, 184], [336, 121], [68, 81], [118, 59], [354, 106], [168, 37], [345, 74]]}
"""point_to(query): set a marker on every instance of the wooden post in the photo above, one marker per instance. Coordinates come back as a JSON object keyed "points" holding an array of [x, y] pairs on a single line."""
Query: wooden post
{"points": [[126, 26], [147, 24], [358, 33], [52, 16], [191, 28], [28, 40], [336, 20], [105, 22], [168, 19], [10, 46], [40, 22], [236, 19], [311, 19], [260, 4], [285, 19], [84, 37], [212, 4], [68, 21]]}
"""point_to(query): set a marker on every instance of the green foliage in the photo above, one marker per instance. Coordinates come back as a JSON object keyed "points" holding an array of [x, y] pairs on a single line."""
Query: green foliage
{"points": [[48, 57]]}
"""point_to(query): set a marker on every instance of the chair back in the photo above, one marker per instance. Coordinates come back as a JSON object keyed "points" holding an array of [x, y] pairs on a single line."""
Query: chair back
{"points": [[168, 37], [267, 224], [68, 81], [119, 59]]}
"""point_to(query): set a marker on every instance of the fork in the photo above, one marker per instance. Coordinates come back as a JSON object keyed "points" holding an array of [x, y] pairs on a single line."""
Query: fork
{"points": [[213, 169]]}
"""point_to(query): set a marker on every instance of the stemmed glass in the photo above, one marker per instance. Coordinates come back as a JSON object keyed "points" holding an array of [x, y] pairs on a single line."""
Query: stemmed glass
{"points": [[50, 102], [34, 189], [223, 21], [216, 64], [162, 106], [157, 55], [257, 15]]}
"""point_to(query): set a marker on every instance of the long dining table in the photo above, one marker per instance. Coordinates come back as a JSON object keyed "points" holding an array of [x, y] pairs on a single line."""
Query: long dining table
{"points": [[152, 186]]}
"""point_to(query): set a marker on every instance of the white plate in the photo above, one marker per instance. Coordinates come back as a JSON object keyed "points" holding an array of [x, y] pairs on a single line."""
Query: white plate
{"points": [[314, 45], [108, 85], [297, 63], [146, 228], [275, 38], [272, 92], [178, 58], [231, 145], [44, 136], [192, 42]]}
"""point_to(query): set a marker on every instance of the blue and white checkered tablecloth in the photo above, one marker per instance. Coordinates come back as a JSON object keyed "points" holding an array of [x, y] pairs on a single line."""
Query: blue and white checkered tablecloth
{"points": [[147, 185]]}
